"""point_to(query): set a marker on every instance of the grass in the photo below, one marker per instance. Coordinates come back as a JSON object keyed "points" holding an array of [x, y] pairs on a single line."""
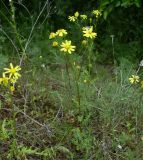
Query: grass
{"points": [[69, 106], [50, 124]]}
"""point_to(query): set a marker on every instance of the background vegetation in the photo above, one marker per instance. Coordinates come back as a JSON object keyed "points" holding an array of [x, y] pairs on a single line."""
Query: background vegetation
{"points": [[67, 107]]}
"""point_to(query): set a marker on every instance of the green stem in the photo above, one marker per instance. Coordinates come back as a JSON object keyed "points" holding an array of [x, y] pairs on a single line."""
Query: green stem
{"points": [[69, 87], [14, 26], [78, 93], [68, 73], [13, 117], [76, 77], [89, 56]]}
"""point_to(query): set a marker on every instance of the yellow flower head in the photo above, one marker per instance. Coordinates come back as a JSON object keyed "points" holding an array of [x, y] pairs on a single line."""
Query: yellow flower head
{"points": [[13, 80], [52, 35], [5, 80], [12, 89], [72, 18], [55, 43], [67, 47], [61, 32], [84, 42], [134, 79], [83, 16], [13, 71], [88, 32], [76, 14], [97, 13]]}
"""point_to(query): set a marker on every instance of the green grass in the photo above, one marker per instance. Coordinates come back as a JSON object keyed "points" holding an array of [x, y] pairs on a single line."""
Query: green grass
{"points": [[50, 124], [66, 106]]}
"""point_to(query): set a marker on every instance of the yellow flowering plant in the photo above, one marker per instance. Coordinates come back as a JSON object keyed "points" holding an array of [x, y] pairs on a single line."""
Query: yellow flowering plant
{"points": [[88, 32], [83, 16], [55, 43], [12, 88], [52, 35], [67, 47], [57, 38], [134, 79], [86, 37], [97, 13], [61, 32], [72, 18], [13, 71], [8, 80], [10, 77], [4, 80], [76, 14]]}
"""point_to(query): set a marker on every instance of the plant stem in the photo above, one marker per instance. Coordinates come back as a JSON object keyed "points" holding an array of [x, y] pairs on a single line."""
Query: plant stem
{"points": [[69, 87], [14, 26], [13, 117], [78, 93]]}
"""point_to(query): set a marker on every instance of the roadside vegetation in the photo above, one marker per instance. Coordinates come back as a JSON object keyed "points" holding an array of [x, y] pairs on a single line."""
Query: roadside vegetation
{"points": [[71, 81]]}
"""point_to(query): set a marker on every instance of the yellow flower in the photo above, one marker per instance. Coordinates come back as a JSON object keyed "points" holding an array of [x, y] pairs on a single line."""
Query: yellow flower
{"points": [[83, 16], [12, 88], [55, 43], [76, 14], [5, 80], [72, 18], [52, 35], [97, 13], [61, 32], [13, 80], [13, 71], [84, 42], [134, 79], [88, 32], [67, 47]]}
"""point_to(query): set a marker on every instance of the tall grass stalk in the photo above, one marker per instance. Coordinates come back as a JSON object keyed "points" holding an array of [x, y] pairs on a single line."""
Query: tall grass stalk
{"points": [[14, 25]]}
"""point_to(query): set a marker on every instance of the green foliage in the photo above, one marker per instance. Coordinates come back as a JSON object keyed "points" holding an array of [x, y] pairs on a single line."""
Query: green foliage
{"points": [[72, 106], [83, 141], [109, 5]]}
